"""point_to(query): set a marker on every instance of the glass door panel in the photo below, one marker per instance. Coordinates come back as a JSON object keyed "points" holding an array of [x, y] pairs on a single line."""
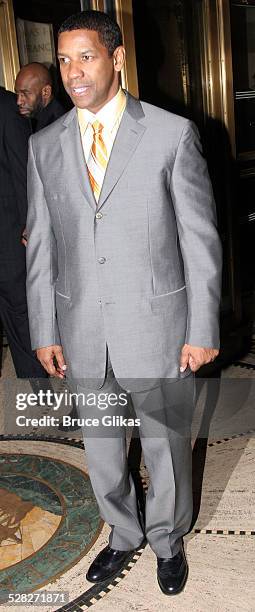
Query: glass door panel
{"points": [[243, 54]]}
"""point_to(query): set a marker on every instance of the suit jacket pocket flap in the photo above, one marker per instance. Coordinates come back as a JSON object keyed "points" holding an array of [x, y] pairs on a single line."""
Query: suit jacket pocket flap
{"points": [[164, 302]]}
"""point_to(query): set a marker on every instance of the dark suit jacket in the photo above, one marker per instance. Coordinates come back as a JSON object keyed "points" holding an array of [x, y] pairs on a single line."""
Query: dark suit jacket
{"points": [[14, 134], [47, 115]]}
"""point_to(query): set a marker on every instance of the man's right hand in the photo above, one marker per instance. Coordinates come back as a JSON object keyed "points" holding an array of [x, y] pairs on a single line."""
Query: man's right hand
{"points": [[24, 237], [46, 356]]}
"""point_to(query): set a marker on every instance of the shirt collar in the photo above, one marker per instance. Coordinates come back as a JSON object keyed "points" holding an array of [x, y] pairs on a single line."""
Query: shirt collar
{"points": [[108, 114]]}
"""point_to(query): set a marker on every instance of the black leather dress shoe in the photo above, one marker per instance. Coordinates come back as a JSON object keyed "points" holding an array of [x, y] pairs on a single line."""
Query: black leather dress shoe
{"points": [[108, 563], [172, 573]]}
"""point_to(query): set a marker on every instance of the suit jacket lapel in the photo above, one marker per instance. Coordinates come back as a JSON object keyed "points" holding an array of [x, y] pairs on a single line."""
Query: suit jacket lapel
{"points": [[74, 162], [128, 136]]}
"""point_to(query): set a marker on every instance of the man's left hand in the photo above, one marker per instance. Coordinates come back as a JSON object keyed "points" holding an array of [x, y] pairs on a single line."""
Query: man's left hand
{"points": [[196, 356]]}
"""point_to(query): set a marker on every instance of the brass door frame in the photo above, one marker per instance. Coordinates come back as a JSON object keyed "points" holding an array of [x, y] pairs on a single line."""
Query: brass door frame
{"points": [[218, 102], [8, 44], [124, 17], [216, 65], [226, 71]]}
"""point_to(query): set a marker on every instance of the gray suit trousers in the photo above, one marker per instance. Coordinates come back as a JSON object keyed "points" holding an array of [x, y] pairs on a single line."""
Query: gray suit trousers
{"points": [[165, 414]]}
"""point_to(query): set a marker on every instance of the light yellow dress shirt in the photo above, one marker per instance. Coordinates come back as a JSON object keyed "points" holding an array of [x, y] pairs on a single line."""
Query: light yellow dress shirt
{"points": [[110, 116]]}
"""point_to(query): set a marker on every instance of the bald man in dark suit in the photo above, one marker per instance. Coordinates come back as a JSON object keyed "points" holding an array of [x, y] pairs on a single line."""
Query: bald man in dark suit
{"points": [[14, 134]]}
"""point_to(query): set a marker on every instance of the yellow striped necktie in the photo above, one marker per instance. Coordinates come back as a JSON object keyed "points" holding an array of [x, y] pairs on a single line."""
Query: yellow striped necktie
{"points": [[97, 160]]}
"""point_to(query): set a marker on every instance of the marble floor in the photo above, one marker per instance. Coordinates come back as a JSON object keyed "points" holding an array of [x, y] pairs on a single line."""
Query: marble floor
{"points": [[50, 529]]}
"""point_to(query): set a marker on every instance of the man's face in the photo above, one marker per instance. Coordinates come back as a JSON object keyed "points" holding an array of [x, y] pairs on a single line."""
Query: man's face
{"points": [[90, 76], [29, 95]]}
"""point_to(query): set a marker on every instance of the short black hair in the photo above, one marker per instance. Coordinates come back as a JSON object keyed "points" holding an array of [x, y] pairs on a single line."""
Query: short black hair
{"points": [[109, 32]]}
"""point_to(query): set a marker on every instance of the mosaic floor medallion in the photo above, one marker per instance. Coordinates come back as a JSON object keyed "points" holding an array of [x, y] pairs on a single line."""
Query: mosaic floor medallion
{"points": [[48, 520], [38, 488]]}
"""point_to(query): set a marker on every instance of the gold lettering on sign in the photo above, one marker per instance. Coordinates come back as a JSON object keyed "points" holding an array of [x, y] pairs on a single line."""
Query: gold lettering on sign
{"points": [[36, 42]]}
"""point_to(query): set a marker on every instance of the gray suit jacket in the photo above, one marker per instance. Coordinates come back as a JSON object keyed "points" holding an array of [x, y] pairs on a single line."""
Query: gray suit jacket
{"points": [[143, 276]]}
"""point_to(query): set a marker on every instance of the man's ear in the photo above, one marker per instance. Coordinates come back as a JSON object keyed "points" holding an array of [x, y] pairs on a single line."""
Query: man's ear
{"points": [[46, 92], [119, 58]]}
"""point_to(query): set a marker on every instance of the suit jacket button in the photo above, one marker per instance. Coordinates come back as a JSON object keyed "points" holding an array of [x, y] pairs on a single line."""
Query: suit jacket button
{"points": [[99, 215], [102, 260]]}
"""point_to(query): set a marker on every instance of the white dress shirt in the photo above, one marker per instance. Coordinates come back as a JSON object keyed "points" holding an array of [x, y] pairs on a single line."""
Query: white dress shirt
{"points": [[110, 116]]}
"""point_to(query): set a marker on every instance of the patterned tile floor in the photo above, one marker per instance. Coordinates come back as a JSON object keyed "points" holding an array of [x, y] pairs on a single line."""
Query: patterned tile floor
{"points": [[39, 541]]}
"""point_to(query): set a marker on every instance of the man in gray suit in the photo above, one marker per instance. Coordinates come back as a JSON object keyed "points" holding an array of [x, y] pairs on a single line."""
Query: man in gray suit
{"points": [[123, 286]]}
